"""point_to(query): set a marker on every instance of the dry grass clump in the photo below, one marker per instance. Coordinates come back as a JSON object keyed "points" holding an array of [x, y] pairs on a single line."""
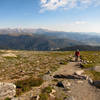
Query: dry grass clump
{"points": [[26, 84]]}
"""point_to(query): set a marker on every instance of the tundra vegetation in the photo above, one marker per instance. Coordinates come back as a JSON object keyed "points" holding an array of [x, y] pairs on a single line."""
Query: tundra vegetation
{"points": [[26, 68], [90, 59]]}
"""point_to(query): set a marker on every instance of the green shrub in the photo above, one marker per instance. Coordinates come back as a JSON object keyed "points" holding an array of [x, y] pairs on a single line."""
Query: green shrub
{"points": [[43, 96], [7, 98], [47, 90], [63, 62], [27, 84], [87, 65], [95, 75]]}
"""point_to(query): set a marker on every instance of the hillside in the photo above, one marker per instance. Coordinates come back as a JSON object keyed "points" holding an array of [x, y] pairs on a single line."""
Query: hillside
{"points": [[35, 75], [81, 48], [89, 38], [34, 42]]}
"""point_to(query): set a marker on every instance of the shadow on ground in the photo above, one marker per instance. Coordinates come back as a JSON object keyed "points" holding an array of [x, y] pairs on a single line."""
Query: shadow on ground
{"points": [[70, 77]]}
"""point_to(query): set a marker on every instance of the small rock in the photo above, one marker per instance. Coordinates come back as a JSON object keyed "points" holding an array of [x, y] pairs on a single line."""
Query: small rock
{"points": [[79, 82], [53, 91], [97, 68], [66, 83], [37, 61], [60, 84], [79, 72], [9, 55], [69, 98], [35, 97], [48, 72], [52, 95], [97, 83], [90, 81], [47, 78], [87, 61], [15, 98]]}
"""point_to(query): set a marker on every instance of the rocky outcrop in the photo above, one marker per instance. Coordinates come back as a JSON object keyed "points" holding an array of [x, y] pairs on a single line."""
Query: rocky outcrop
{"points": [[7, 90]]}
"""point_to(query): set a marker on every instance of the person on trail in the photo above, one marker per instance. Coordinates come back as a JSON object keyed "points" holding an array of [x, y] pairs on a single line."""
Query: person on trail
{"points": [[77, 54]]}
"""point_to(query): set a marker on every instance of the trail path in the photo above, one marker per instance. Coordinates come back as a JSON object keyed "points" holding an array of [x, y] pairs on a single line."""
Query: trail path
{"points": [[82, 90], [79, 89]]}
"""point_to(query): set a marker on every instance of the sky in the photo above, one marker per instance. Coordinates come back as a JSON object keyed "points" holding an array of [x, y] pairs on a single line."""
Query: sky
{"points": [[58, 15]]}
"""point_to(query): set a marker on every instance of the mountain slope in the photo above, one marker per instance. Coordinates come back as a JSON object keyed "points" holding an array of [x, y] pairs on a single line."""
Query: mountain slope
{"points": [[81, 48], [34, 42]]}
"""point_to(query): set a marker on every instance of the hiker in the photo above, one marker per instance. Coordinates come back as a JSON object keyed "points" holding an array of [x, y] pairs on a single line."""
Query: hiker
{"points": [[77, 54]]}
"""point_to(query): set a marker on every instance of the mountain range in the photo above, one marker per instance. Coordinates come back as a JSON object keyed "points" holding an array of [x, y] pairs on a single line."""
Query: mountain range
{"points": [[43, 39]]}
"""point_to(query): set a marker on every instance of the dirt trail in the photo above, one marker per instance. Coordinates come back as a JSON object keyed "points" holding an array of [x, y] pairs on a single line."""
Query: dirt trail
{"points": [[70, 68], [80, 89]]}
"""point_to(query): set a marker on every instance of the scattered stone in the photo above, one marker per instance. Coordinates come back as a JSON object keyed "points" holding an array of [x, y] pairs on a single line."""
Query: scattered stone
{"points": [[90, 81], [53, 91], [66, 83], [7, 90], [69, 98], [38, 61], [79, 82], [15, 98], [91, 61], [79, 72], [87, 61], [60, 84], [97, 83], [47, 78], [49, 72], [9, 55], [51, 95], [97, 68]]}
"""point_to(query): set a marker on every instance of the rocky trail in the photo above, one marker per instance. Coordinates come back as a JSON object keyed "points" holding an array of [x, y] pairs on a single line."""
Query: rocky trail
{"points": [[73, 83], [80, 89]]}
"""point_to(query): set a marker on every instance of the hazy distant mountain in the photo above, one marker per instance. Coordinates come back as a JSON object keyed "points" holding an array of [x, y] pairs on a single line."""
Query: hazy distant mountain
{"points": [[34, 42], [87, 38], [42, 39], [81, 48]]}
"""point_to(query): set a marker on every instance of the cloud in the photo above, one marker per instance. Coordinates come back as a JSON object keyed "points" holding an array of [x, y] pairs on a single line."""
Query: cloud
{"points": [[80, 22], [67, 4]]}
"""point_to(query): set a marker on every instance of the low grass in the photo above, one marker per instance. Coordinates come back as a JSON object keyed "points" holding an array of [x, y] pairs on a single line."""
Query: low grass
{"points": [[45, 93], [25, 85], [43, 96], [47, 90], [87, 65], [7, 98], [93, 74]]}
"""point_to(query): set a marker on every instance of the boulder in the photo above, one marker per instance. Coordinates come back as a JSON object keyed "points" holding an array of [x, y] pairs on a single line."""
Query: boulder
{"points": [[7, 90]]}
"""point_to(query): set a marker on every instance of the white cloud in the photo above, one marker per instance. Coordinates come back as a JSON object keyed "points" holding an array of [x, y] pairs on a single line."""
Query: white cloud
{"points": [[80, 22], [67, 4]]}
